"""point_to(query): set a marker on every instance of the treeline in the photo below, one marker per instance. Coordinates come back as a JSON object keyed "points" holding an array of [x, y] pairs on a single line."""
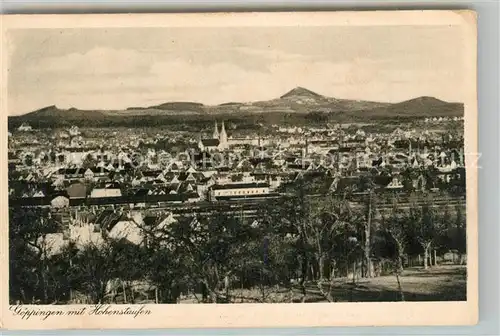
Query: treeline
{"points": [[183, 122], [195, 122], [300, 244]]}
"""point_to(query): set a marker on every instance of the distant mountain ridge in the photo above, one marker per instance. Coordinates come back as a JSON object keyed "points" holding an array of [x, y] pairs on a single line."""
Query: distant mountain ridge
{"points": [[53, 111], [298, 100], [423, 106]]}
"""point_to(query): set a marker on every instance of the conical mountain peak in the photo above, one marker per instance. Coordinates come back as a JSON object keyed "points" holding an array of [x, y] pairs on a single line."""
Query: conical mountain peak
{"points": [[300, 92]]}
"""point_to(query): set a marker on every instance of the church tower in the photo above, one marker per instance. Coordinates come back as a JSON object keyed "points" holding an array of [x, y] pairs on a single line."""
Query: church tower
{"points": [[200, 143], [216, 131], [223, 136]]}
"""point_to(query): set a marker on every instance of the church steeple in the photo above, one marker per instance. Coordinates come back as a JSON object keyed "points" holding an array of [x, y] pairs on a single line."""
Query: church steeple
{"points": [[223, 135], [216, 132], [200, 143]]}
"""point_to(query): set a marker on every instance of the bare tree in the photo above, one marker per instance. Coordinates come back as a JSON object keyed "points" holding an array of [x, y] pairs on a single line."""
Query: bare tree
{"points": [[329, 218], [30, 254], [92, 270], [368, 184], [395, 227]]}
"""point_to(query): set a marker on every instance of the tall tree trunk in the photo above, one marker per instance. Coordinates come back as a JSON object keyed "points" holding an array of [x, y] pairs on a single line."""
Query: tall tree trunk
{"points": [[399, 269], [124, 288], [435, 258], [156, 294], [303, 277], [213, 297], [400, 256], [327, 294], [226, 286], [354, 271], [303, 290], [132, 293], [212, 292], [429, 253], [43, 271], [426, 257], [368, 261], [321, 267], [400, 289]]}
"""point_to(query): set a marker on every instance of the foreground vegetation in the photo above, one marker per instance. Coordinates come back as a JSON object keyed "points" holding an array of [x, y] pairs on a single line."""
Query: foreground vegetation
{"points": [[304, 250]]}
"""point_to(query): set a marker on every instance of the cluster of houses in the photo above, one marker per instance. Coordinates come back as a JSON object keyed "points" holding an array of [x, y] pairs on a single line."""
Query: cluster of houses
{"points": [[110, 184], [93, 225], [218, 168], [25, 128], [442, 119]]}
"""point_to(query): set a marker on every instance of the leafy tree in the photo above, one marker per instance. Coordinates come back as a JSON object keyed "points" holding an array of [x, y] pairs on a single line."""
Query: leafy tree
{"points": [[53, 157], [329, 221], [168, 272], [130, 262], [445, 241], [155, 260], [28, 160], [89, 162], [408, 176], [292, 214], [209, 249], [431, 176], [429, 228], [320, 228], [93, 268], [29, 254]]}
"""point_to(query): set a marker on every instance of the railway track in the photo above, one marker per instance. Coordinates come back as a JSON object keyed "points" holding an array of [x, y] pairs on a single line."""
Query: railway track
{"points": [[251, 209]]}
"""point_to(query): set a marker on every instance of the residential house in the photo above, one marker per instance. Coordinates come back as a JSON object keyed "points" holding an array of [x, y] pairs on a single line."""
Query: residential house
{"points": [[106, 190], [85, 235], [128, 230], [96, 174], [396, 183], [77, 191], [25, 128], [60, 202]]}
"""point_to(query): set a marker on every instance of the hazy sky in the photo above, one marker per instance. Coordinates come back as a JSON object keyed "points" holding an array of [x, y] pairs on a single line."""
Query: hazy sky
{"points": [[123, 67]]}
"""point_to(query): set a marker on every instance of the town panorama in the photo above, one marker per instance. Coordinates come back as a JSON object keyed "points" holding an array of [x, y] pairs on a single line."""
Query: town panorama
{"points": [[303, 198]]}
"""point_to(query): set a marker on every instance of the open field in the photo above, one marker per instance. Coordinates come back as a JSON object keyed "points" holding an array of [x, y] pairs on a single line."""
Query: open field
{"points": [[439, 283]]}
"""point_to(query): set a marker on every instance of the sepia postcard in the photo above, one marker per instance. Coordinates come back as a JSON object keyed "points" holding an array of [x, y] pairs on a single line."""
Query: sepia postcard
{"points": [[239, 170]]}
